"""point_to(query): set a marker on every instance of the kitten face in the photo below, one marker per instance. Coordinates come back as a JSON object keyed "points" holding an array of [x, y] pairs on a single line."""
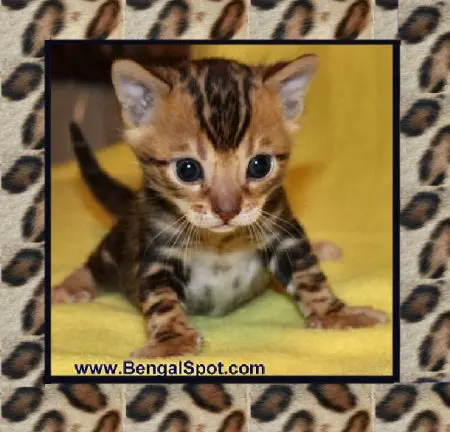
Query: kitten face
{"points": [[212, 137]]}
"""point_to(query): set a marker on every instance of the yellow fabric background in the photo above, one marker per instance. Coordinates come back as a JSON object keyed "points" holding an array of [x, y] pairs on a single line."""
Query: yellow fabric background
{"points": [[340, 188]]}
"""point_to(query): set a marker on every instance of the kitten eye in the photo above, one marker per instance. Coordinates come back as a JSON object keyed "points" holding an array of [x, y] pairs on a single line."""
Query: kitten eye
{"points": [[189, 170], [259, 166]]}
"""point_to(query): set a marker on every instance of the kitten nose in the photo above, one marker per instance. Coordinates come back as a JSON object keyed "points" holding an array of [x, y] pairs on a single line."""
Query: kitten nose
{"points": [[226, 216]]}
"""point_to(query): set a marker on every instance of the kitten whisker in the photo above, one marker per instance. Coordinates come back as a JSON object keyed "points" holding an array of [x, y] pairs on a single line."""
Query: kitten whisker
{"points": [[284, 221], [265, 242], [273, 223], [169, 243]]}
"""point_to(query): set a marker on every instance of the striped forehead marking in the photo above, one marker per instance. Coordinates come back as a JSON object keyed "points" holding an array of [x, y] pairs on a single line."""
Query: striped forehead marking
{"points": [[221, 93]]}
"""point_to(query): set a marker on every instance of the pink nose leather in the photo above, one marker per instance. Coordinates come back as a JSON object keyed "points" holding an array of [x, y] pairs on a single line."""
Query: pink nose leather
{"points": [[227, 215]]}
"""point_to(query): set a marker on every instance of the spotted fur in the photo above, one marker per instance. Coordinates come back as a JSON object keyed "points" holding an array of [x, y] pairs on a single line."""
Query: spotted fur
{"points": [[337, 397], [25, 357], [423, 412], [234, 422], [28, 405], [397, 402], [426, 44], [443, 391], [33, 220], [52, 19], [354, 21], [420, 210], [435, 69], [109, 422], [358, 422], [50, 421], [22, 81], [297, 22], [230, 21], [148, 402], [33, 127], [212, 397], [22, 403], [45, 409], [425, 421], [182, 19], [172, 21], [23, 174], [311, 19], [435, 255], [176, 421], [311, 408], [105, 20], [300, 421], [425, 228], [435, 162], [187, 408], [86, 397], [47, 23], [25, 264], [420, 116], [420, 303], [33, 314], [434, 349], [272, 402], [420, 24]]}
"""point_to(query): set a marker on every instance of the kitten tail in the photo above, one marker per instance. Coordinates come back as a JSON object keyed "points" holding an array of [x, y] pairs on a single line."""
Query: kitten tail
{"points": [[114, 196]]}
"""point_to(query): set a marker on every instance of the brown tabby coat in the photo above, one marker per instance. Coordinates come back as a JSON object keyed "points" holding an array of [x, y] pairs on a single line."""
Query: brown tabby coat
{"points": [[209, 245]]}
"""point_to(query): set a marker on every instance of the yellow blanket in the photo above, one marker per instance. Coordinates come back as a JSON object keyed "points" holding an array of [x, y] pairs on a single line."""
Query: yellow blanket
{"points": [[340, 188]]}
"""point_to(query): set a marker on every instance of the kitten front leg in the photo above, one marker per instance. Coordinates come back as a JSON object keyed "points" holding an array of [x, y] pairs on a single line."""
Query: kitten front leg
{"points": [[296, 266], [166, 323]]}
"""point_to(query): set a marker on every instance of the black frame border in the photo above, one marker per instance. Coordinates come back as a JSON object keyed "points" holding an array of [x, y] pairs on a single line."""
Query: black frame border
{"points": [[288, 379]]}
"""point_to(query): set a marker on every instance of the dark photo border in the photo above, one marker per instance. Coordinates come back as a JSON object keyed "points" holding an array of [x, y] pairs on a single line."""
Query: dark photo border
{"points": [[50, 379]]}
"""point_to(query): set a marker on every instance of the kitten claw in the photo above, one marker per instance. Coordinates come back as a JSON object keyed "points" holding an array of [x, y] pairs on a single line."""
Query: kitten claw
{"points": [[63, 294], [349, 317], [78, 287]]}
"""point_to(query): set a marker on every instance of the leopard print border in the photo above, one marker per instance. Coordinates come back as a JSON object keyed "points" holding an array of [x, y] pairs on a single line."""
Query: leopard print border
{"points": [[27, 404]]}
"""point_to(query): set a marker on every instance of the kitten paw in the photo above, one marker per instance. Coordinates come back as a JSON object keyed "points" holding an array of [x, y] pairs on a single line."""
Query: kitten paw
{"points": [[79, 287], [66, 294], [349, 317], [327, 251], [171, 344]]}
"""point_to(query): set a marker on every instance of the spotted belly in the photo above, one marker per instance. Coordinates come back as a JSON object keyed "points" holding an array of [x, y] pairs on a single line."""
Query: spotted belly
{"points": [[220, 283]]}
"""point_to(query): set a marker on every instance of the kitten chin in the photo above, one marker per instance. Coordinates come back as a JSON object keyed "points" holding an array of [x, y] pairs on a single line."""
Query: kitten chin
{"points": [[222, 229]]}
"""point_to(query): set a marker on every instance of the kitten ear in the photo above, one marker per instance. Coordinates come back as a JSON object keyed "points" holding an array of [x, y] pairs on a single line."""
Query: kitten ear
{"points": [[292, 81], [138, 90]]}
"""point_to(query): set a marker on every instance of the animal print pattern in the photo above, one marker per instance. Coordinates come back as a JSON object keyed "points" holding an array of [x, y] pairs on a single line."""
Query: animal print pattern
{"points": [[187, 407], [313, 407], [425, 234], [313, 19], [26, 404], [28, 23], [63, 407], [424, 29], [22, 363], [187, 19], [224, 408], [29, 406], [412, 407]]}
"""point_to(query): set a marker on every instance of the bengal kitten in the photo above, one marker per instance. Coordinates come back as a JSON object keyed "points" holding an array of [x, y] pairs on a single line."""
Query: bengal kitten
{"points": [[211, 222]]}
